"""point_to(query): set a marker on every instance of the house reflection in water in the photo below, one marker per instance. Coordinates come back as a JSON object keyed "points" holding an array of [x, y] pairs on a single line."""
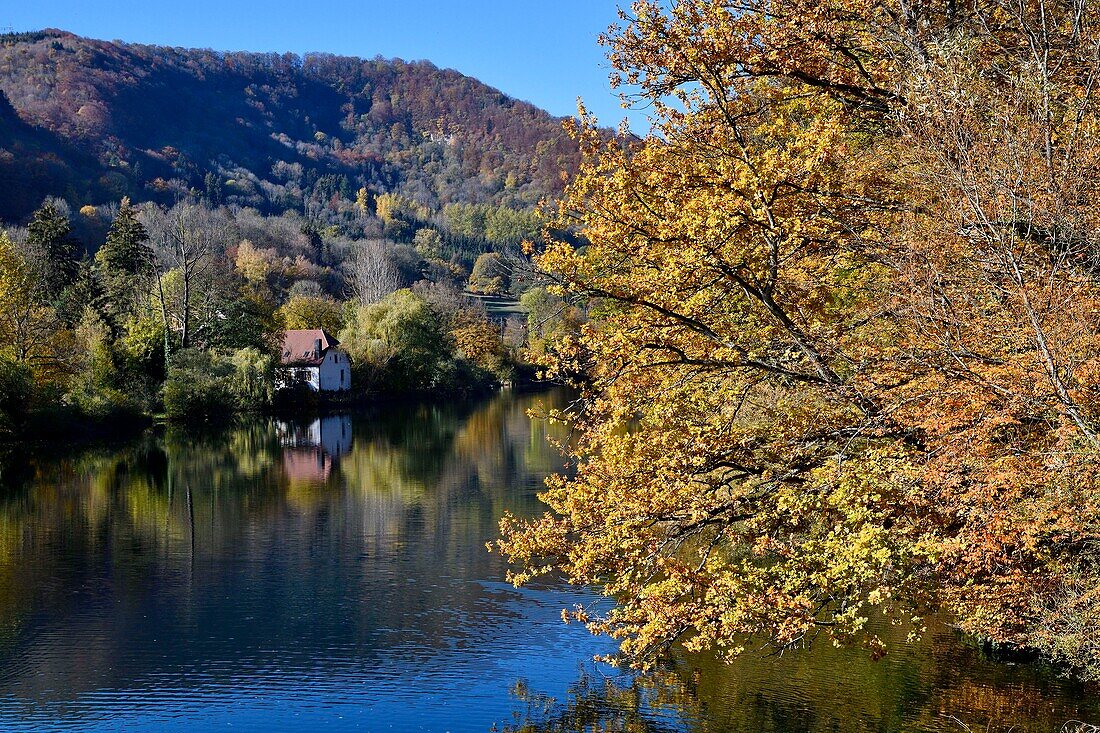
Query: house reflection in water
{"points": [[312, 449]]}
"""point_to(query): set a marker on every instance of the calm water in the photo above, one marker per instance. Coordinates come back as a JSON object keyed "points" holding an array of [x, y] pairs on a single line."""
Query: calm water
{"points": [[333, 576]]}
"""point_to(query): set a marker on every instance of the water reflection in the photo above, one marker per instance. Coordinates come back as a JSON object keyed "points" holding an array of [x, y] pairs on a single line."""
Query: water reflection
{"points": [[189, 581], [939, 684], [312, 448], [332, 575]]}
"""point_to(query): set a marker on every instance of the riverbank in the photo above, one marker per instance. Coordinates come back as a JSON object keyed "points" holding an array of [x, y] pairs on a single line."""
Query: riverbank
{"points": [[61, 424]]}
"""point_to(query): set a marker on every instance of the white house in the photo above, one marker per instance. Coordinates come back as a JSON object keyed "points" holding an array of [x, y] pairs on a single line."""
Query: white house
{"points": [[312, 357]]}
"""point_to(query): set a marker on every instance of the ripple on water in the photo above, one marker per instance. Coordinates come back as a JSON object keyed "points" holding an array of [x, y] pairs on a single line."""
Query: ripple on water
{"points": [[236, 582]]}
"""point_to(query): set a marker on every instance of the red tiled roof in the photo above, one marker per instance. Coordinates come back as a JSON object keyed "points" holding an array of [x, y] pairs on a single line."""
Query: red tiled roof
{"points": [[299, 347]]}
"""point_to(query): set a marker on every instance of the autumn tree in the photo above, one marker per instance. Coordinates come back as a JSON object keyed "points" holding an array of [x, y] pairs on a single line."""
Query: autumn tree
{"points": [[253, 263], [29, 326], [309, 312], [840, 350], [362, 201]]}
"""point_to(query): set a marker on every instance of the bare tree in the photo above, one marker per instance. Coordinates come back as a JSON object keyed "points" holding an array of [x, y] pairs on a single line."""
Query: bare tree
{"points": [[371, 271], [185, 239]]}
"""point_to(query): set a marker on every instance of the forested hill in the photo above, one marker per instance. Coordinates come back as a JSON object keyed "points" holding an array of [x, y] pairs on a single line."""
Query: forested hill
{"points": [[95, 120]]}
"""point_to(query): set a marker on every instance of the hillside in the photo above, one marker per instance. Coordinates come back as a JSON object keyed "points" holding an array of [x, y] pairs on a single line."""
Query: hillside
{"points": [[95, 120]]}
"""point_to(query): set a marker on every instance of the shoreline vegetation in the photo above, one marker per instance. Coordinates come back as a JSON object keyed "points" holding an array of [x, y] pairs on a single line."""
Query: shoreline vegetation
{"points": [[180, 311], [67, 431], [77, 429]]}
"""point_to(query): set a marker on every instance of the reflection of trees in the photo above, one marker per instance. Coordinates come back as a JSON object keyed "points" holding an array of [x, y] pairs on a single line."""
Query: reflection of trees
{"points": [[653, 703], [920, 687], [97, 561], [435, 474], [187, 537]]}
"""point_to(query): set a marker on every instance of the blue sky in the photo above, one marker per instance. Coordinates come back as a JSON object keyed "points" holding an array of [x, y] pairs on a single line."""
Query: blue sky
{"points": [[542, 51]]}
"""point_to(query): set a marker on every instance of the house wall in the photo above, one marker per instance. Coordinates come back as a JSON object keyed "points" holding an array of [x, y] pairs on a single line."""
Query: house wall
{"points": [[326, 378], [335, 364], [289, 376]]}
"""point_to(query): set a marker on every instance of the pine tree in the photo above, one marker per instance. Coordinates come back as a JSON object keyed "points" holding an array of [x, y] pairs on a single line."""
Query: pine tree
{"points": [[50, 236], [122, 260], [86, 292]]}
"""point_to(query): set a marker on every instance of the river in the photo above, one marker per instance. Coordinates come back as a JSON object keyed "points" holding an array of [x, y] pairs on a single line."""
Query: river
{"points": [[332, 575]]}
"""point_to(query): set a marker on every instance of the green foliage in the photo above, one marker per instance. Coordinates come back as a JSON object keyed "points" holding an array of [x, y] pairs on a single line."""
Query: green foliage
{"points": [[199, 386], [304, 311], [84, 291], [397, 344], [100, 389], [549, 319], [424, 342], [211, 385], [494, 224], [253, 379], [490, 275], [245, 318], [16, 390], [50, 236], [428, 243], [141, 349], [123, 259], [125, 251]]}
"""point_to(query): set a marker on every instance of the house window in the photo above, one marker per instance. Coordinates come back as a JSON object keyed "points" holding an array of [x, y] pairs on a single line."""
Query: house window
{"points": [[341, 377]]}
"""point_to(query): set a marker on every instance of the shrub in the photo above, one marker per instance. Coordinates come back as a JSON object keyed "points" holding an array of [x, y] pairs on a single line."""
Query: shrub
{"points": [[203, 385], [16, 389], [199, 386]]}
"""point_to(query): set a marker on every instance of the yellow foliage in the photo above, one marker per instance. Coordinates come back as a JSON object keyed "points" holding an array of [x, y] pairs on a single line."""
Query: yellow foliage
{"points": [[842, 316], [308, 312]]}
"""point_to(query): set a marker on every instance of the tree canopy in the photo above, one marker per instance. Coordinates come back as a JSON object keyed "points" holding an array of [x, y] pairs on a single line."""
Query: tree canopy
{"points": [[840, 356]]}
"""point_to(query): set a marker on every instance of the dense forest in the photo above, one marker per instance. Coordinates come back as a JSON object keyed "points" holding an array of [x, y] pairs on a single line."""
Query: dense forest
{"points": [[167, 214], [93, 121], [181, 309]]}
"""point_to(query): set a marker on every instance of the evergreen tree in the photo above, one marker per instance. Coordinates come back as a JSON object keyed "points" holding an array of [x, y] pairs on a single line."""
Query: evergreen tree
{"points": [[123, 259], [213, 186], [50, 235], [84, 293]]}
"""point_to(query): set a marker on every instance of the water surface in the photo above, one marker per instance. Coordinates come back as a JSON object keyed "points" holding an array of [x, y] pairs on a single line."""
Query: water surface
{"points": [[332, 575]]}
